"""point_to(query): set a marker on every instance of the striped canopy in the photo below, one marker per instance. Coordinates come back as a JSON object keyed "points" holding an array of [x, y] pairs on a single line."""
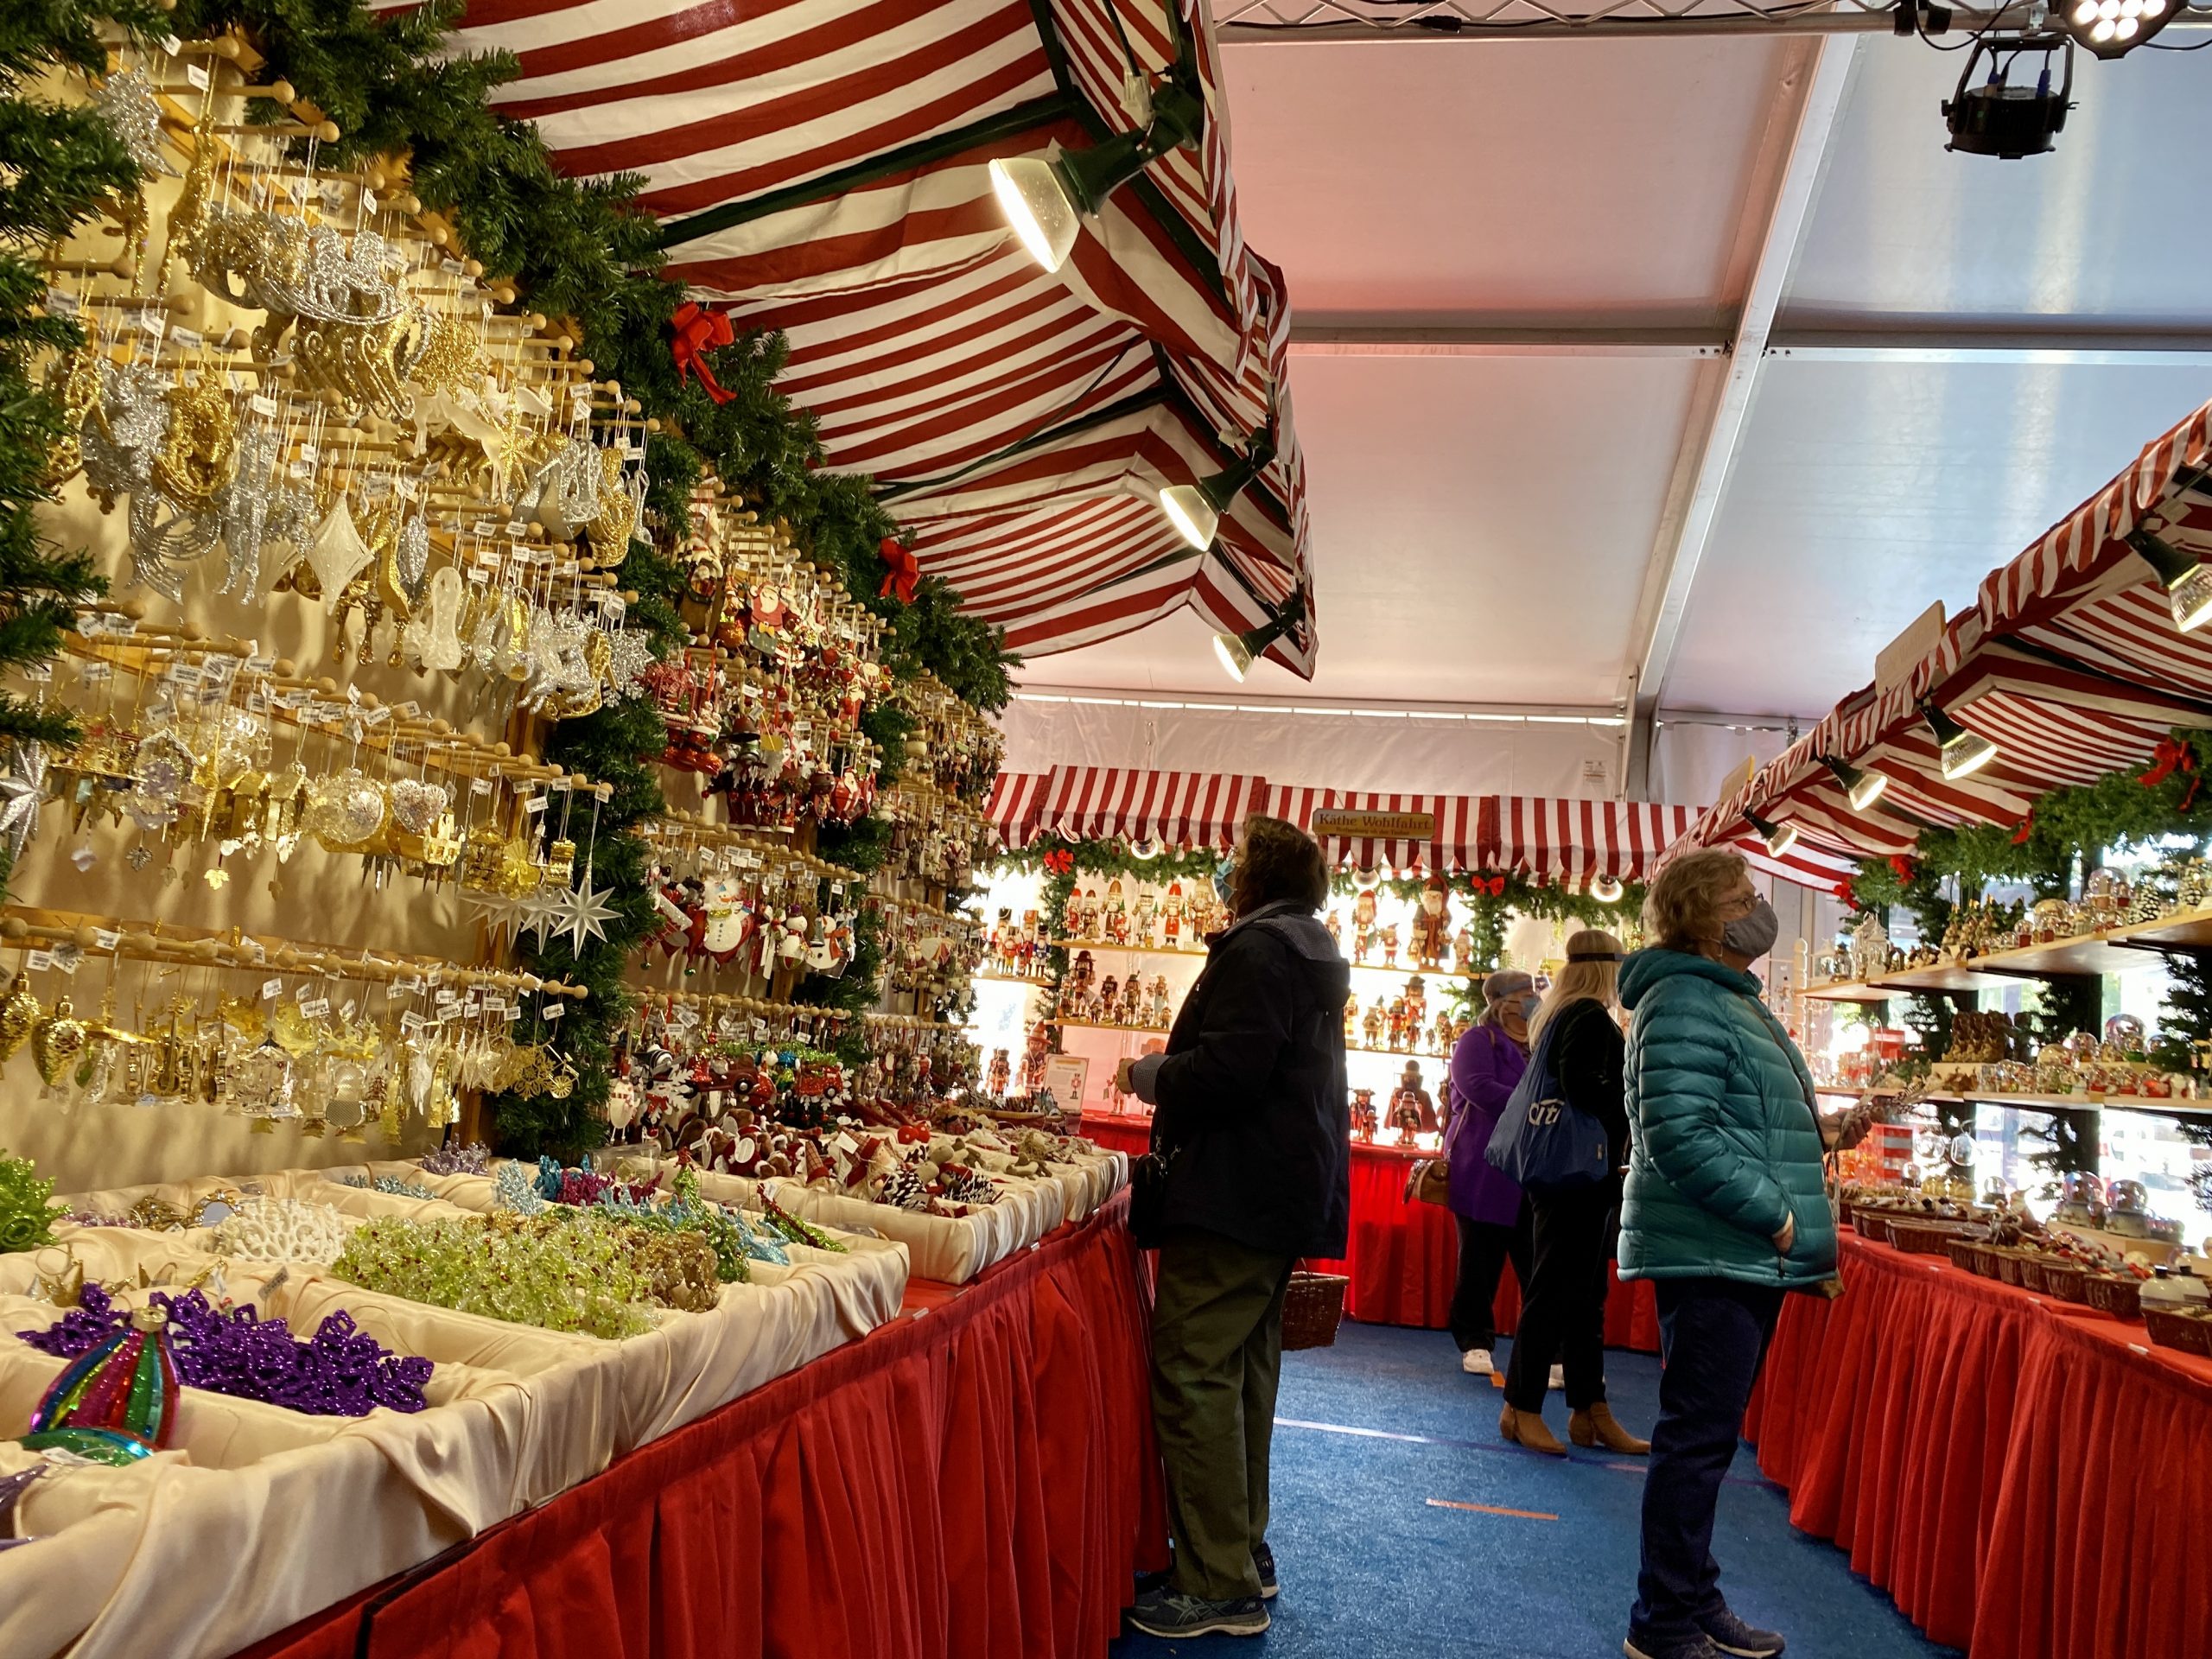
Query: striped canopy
{"points": [[820, 167], [1574, 842], [1017, 804], [1173, 809], [2069, 662]]}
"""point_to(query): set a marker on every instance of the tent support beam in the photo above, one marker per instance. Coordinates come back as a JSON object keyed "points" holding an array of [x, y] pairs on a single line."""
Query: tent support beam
{"points": [[2028, 342], [1803, 121]]}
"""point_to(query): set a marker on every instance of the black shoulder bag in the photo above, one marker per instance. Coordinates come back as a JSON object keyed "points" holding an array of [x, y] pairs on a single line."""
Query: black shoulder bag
{"points": [[1148, 1195]]}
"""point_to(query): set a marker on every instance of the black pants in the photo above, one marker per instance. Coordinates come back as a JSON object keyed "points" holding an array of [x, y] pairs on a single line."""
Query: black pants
{"points": [[1563, 1309], [1484, 1249], [1712, 1339]]}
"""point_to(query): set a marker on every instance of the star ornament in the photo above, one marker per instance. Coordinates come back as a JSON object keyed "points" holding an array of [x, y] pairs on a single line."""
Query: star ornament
{"points": [[23, 790], [583, 913]]}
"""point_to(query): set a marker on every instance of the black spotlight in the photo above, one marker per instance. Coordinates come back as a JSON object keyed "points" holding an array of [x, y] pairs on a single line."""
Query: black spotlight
{"points": [[2015, 111]]}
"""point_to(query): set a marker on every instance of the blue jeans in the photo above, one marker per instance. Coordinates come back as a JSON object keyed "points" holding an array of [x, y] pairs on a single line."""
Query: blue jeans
{"points": [[1712, 1336]]}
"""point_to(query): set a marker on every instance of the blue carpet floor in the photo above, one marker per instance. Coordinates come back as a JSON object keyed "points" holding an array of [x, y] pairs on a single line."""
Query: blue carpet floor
{"points": [[1379, 1441]]}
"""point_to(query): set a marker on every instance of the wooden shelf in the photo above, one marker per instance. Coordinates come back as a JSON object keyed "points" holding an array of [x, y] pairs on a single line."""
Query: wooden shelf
{"points": [[1099, 1025], [1011, 979], [1127, 949], [2116, 949], [1444, 1060], [2080, 1103]]}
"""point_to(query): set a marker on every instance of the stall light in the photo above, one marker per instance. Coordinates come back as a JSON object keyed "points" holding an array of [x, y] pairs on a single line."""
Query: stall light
{"points": [[2112, 29], [1963, 753], [1237, 651], [1779, 837], [2186, 578], [1195, 510], [1605, 890], [2007, 120], [1144, 850], [1863, 788], [1045, 200]]}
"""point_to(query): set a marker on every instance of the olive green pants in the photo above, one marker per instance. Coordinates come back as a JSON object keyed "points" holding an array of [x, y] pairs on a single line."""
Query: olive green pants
{"points": [[1217, 1356]]}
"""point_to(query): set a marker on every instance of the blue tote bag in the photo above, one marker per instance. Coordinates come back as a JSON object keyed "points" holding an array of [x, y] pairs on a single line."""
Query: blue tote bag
{"points": [[1542, 1139]]}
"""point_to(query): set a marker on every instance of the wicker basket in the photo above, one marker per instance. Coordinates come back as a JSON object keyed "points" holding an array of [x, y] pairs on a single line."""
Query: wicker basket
{"points": [[2066, 1282], [2008, 1266], [1984, 1260], [1964, 1253], [1925, 1238], [2121, 1298], [2031, 1265], [2169, 1328], [1311, 1309]]}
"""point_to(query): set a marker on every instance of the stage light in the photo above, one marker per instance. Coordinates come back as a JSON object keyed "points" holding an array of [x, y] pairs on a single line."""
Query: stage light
{"points": [[2186, 578], [1237, 651], [2001, 118], [1046, 200], [1605, 890], [1862, 787], [2113, 29], [1779, 837], [1963, 753], [1195, 510]]}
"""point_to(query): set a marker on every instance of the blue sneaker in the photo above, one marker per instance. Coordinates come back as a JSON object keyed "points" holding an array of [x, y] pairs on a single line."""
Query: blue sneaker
{"points": [[1264, 1559], [1731, 1635], [1164, 1614]]}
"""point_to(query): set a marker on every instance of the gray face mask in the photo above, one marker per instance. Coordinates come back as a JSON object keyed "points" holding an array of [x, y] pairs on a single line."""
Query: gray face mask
{"points": [[1754, 935]]}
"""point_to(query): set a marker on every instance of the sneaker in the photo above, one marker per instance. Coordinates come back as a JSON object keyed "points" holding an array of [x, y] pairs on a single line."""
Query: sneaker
{"points": [[1164, 1613], [1558, 1378], [1476, 1362], [1731, 1635], [1698, 1645], [1264, 1559]]}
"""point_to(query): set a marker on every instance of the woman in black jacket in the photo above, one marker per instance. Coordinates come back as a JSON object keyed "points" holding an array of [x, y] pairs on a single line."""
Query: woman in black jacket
{"points": [[1572, 1228], [1251, 1114]]}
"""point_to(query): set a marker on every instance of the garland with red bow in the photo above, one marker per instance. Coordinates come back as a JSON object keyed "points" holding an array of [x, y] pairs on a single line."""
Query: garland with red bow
{"points": [[2171, 756], [695, 331], [905, 572]]}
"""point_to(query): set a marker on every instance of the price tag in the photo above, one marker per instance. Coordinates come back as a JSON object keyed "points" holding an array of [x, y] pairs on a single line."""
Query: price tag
{"points": [[411, 1022], [409, 709], [302, 995], [518, 530], [106, 938], [402, 986], [310, 453], [301, 469], [39, 961], [555, 1010], [479, 574], [153, 323], [377, 716], [186, 340], [376, 486], [409, 489], [480, 785], [453, 267], [317, 1008], [536, 803], [171, 45], [62, 303]]}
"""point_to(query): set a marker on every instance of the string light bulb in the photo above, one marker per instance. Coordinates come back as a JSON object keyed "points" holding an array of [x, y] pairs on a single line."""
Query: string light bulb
{"points": [[1961, 752], [1860, 787], [2186, 578], [1239, 651], [1779, 837], [1046, 200]]}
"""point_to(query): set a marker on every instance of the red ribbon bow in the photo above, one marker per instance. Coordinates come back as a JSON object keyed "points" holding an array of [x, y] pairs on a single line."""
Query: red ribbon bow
{"points": [[1494, 886], [2171, 756], [1901, 866], [1845, 892], [1059, 861], [2027, 828], [904, 572], [699, 331]]}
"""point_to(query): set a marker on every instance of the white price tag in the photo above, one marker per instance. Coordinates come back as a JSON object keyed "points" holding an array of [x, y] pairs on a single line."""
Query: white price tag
{"points": [[555, 1010], [535, 804], [310, 453], [349, 1009], [106, 938], [171, 45], [518, 530], [480, 785], [411, 1022], [62, 303], [377, 716], [262, 403], [186, 340], [153, 323], [272, 989], [317, 1008], [39, 961]]}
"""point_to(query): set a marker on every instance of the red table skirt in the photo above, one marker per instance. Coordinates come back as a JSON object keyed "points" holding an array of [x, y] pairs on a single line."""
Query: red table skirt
{"points": [[976, 1477], [2028, 1480], [1404, 1259]]}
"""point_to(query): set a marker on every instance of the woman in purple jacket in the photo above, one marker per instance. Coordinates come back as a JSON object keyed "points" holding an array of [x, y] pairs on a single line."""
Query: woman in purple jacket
{"points": [[1493, 1217]]}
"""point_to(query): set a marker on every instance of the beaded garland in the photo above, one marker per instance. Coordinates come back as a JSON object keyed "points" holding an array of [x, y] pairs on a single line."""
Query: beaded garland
{"points": [[340, 1371], [475, 1159], [389, 1184]]}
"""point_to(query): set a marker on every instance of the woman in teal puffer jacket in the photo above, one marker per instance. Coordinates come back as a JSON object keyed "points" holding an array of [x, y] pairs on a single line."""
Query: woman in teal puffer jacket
{"points": [[1724, 1209]]}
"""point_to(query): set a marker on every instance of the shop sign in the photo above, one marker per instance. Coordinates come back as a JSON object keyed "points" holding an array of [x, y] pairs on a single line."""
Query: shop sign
{"points": [[1338, 823]]}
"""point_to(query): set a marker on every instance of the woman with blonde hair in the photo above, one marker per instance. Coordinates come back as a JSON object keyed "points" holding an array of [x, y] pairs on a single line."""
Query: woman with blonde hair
{"points": [[1725, 1212], [1572, 1227]]}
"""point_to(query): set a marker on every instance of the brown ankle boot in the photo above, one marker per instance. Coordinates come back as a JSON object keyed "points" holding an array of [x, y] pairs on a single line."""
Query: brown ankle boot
{"points": [[1526, 1428], [1597, 1427]]}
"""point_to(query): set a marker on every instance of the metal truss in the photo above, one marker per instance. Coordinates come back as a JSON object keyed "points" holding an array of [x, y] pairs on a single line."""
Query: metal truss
{"points": [[1466, 20]]}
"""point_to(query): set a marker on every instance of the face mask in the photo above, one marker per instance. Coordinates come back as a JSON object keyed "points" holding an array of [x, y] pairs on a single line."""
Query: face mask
{"points": [[1221, 875], [1529, 1004], [1754, 935]]}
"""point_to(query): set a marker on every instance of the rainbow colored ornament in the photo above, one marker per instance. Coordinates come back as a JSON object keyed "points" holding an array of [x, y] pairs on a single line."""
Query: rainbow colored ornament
{"points": [[116, 1404]]}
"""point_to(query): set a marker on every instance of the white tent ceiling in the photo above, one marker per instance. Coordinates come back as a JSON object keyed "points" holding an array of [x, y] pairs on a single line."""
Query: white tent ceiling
{"points": [[1960, 350]]}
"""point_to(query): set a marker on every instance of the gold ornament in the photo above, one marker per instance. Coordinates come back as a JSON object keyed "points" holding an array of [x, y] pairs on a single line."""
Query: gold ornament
{"points": [[617, 522], [199, 450], [56, 1041], [453, 360], [73, 382], [17, 1015]]}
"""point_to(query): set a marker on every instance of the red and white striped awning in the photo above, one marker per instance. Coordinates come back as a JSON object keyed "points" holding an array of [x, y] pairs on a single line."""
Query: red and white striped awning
{"points": [[1573, 842], [1364, 829], [820, 167], [2069, 663], [1186, 810], [1017, 805]]}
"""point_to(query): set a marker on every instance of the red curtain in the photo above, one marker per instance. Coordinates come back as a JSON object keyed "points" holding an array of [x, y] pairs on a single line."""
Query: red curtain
{"points": [[1403, 1258], [2026, 1478], [976, 1477]]}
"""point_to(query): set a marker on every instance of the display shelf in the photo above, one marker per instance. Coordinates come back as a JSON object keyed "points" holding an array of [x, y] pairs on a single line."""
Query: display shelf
{"points": [[1402, 973], [1849, 990], [2114, 950], [1128, 950], [1395, 1053], [1101, 1025], [2079, 1102], [1011, 979]]}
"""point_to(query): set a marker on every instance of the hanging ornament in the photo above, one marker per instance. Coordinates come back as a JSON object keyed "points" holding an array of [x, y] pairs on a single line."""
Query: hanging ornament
{"points": [[22, 789], [337, 554], [118, 1403]]}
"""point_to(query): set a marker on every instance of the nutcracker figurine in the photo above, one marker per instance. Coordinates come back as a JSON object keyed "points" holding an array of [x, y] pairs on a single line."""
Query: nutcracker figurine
{"points": [[1389, 944], [1146, 916], [1158, 1017], [1109, 1000], [1170, 916], [1364, 1122], [1396, 1023], [1336, 925], [1362, 923], [1001, 1073], [1371, 1027], [1071, 918], [1443, 1037], [1417, 1001], [1411, 1111]]}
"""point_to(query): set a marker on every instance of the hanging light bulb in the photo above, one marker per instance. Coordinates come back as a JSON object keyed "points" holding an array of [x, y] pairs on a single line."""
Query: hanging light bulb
{"points": [[1144, 850], [1605, 890], [2187, 579], [1862, 787], [1237, 651], [1962, 753], [1779, 837], [1195, 510], [2112, 29], [1046, 201]]}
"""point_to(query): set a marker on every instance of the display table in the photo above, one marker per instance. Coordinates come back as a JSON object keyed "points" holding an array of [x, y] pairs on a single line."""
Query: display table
{"points": [[1404, 1259], [2028, 1479], [978, 1476]]}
